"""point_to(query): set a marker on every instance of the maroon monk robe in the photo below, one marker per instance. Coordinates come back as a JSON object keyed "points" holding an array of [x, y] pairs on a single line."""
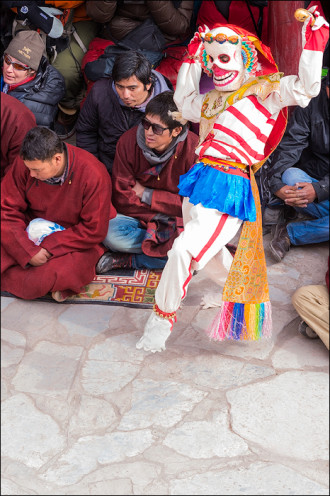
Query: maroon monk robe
{"points": [[82, 205], [130, 166], [16, 121]]}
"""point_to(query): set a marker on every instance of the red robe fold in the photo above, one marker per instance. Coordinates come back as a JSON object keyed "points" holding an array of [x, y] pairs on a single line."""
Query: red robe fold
{"points": [[82, 205], [16, 121]]}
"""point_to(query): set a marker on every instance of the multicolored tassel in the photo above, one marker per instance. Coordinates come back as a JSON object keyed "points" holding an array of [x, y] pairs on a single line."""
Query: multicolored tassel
{"points": [[250, 56], [239, 321]]}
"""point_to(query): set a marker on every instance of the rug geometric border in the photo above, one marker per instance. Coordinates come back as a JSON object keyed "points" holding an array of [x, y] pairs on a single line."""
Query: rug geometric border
{"points": [[129, 288]]}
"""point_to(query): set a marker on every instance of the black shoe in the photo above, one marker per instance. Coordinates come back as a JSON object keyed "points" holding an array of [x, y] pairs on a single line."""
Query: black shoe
{"points": [[306, 331], [110, 261], [280, 244], [290, 213]]}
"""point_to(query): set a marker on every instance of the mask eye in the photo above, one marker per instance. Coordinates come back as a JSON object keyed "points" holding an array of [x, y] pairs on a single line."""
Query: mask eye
{"points": [[211, 59], [224, 58]]}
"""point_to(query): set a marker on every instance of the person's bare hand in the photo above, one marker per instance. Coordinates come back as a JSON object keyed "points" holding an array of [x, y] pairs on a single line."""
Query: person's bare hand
{"points": [[138, 189], [286, 193], [40, 258], [298, 195], [305, 194]]}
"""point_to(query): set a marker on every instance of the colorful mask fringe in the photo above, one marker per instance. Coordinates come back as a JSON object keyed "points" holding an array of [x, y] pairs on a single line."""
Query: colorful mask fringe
{"points": [[204, 60], [239, 321], [250, 56]]}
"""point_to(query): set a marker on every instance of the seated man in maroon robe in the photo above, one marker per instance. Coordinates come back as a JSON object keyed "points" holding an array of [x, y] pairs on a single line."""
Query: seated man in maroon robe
{"points": [[68, 189], [149, 160]]}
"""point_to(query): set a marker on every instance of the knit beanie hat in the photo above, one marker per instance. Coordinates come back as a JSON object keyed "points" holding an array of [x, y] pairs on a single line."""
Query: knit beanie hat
{"points": [[27, 47]]}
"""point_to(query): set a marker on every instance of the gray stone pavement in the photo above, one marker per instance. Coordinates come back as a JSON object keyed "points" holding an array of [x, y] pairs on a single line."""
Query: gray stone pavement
{"points": [[84, 412]]}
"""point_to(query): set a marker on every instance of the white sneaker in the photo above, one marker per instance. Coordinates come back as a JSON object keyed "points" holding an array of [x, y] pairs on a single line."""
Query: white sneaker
{"points": [[156, 332]]}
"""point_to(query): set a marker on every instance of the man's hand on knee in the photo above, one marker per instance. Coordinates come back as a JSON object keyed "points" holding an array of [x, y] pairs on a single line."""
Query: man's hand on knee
{"points": [[286, 192], [305, 194], [298, 195]]}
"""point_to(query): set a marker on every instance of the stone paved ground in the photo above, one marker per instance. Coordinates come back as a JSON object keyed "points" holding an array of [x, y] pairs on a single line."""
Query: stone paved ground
{"points": [[84, 412]]}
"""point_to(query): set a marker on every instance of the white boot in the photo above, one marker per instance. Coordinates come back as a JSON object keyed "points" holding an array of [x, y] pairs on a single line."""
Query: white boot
{"points": [[156, 331]]}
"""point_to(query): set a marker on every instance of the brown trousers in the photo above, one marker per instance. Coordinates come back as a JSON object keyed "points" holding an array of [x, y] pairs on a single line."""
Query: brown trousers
{"points": [[312, 304]]}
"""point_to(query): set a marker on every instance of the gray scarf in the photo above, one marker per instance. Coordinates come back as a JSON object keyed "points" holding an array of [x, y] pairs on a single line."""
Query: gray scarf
{"points": [[150, 155]]}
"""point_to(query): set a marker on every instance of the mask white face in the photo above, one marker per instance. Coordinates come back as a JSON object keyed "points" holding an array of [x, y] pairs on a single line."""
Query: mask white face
{"points": [[225, 59]]}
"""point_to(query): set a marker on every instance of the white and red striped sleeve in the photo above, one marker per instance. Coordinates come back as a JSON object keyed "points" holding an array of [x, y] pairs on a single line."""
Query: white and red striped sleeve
{"points": [[187, 97], [299, 90], [314, 40]]}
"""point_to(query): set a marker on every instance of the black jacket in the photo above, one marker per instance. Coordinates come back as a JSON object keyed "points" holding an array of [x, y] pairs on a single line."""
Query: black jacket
{"points": [[42, 94], [305, 145], [119, 18], [102, 119]]}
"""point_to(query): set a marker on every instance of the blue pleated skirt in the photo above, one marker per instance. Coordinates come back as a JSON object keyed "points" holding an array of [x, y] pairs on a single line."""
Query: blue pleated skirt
{"points": [[213, 188]]}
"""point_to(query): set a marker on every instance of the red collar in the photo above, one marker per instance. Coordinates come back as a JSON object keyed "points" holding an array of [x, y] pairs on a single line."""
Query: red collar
{"points": [[26, 80]]}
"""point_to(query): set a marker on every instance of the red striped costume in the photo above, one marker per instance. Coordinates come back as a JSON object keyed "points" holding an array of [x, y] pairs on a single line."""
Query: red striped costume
{"points": [[239, 128]]}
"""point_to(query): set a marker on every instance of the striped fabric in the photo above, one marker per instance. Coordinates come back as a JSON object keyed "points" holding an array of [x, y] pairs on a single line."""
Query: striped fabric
{"points": [[240, 138]]}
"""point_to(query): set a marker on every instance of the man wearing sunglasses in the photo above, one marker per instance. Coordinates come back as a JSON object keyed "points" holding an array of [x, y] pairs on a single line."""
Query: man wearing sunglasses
{"points": [[149, 161]]}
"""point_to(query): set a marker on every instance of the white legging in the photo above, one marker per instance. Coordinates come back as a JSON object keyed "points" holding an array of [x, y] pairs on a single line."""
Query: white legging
{"points": [[200, 246]]}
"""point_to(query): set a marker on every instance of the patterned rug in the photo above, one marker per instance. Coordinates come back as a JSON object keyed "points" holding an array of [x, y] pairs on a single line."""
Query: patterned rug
{"points": [[129, 288]]}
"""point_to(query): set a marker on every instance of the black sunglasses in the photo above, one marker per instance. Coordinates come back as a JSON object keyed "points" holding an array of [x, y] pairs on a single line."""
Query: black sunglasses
{"points": [[156, 128]]}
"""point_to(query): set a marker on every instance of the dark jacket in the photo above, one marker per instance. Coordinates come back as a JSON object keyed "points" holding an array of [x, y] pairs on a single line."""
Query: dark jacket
{"points": [[102, 119], [120, 18], [305, 145], [42, 94]]}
